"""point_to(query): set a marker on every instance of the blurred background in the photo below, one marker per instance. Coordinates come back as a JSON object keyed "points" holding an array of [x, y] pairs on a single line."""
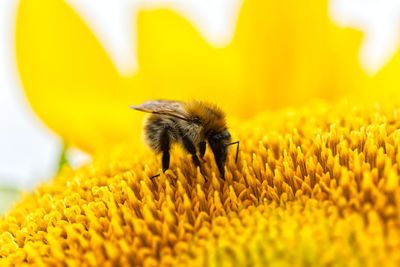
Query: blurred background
{"points": [[29, 151]]}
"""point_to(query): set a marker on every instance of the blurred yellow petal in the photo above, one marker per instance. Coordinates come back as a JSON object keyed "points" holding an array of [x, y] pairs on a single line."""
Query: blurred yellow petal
{"points": [[68, 78], [293, 52], [283, 53], [176, 62], [387, 79]]}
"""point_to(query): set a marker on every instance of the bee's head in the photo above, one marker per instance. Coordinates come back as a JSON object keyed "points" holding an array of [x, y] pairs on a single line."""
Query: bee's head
{"points": [[219, 142]]}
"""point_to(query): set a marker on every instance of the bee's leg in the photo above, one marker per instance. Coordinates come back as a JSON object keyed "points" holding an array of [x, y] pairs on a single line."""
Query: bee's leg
{"points": [[165, 146], [165, 160], [189, 146], [191, 149], [202, 148]]}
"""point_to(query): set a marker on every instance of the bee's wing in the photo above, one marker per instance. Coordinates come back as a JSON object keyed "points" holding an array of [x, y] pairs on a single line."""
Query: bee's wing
{"points": [[164, 107]]}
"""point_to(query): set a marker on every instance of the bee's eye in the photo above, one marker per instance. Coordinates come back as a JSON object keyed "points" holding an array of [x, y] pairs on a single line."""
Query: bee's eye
{"points": [[226, 134], [195, 119]]}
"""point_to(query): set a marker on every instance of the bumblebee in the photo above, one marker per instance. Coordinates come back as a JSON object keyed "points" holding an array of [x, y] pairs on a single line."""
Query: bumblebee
{"points": [[191, 124]]}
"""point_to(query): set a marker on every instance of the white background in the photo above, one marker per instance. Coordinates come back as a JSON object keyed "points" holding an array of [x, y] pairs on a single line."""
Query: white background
{"points": [[28, 150]]}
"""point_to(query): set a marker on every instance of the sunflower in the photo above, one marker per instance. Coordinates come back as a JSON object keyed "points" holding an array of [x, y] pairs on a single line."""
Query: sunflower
{"points": [[316, 184]]}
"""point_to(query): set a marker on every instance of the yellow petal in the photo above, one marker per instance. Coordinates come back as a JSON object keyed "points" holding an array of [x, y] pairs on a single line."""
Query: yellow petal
{"points": [[69, 79], [387, 80], [283, 53], [176, 62]]}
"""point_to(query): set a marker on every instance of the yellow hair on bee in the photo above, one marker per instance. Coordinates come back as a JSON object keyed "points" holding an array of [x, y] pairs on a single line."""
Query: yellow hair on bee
{"points": [[211, 116]]}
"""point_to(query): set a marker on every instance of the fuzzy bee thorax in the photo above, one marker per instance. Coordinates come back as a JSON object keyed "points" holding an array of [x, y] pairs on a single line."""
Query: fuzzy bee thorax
{"points": [[210, 116]]}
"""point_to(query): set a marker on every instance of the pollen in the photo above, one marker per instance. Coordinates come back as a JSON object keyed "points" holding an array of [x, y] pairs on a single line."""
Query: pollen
{"points": [[318, 185]]}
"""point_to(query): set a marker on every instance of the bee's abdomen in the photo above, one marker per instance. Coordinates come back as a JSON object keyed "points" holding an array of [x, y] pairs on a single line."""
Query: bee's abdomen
{"points": [[155, 127]]}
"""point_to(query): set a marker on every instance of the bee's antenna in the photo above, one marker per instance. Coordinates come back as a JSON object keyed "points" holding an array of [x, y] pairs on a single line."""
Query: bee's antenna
{"points": [[237, 149], [152, 177]]}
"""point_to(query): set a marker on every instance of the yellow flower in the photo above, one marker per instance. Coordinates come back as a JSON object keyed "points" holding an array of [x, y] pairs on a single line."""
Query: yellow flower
{"points": [[282, 53], [317, 185], [313, 186]]}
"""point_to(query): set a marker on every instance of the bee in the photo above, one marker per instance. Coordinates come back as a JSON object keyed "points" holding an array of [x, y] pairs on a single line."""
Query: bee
{"points": [[191, 124]]}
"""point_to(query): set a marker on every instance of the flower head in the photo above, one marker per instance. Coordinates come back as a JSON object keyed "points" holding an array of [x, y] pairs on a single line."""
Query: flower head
{"points": [[317, 185], [314, 185]]}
